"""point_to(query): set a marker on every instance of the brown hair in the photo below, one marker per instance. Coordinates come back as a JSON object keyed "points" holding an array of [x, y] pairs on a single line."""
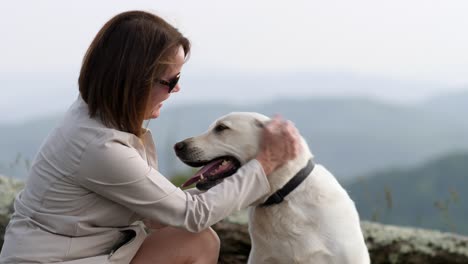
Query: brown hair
{"points": [[120, 66]]}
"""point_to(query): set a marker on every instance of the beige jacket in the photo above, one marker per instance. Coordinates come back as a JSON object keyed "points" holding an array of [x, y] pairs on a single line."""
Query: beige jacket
{"points": [[89, 182]]}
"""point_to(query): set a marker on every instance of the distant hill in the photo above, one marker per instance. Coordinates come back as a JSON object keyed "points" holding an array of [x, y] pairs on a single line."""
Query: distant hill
{"points": [[432, 195], [20, 142], [450, 107], [351, 136]]}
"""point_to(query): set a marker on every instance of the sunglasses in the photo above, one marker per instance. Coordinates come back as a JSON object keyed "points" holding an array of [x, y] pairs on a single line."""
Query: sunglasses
{"points": [[171, 83]]}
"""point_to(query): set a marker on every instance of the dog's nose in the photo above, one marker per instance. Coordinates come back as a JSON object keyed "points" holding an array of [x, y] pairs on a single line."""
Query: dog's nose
{"points": [[180, 146]]}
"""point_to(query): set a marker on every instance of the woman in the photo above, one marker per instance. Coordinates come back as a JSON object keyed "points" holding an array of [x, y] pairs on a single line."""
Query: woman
{"points": [[95, 176]]}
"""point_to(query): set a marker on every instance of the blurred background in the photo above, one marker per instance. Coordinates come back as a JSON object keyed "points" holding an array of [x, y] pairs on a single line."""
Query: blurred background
{"points": [[379, 89]]}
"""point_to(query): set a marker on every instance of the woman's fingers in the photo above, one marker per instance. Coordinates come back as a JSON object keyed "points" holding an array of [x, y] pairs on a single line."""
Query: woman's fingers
{"points": [[296, 139], [290, 137], [274, 125], [281, 142]]}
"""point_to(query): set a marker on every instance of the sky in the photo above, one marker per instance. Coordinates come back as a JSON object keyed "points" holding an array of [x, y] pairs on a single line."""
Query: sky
{"points": [[417, 43]]}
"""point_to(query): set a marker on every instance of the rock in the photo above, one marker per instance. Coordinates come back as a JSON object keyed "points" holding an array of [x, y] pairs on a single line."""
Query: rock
{"points": [[8, 190], [387, 244], [235, 242], [392, 244]]}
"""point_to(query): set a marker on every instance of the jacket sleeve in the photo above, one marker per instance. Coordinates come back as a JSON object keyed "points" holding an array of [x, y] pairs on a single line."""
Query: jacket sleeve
{"points": [[119, 173]]}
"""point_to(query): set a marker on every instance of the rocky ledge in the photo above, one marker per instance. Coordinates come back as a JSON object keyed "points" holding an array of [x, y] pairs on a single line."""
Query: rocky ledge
{"points": [[8, 190], [387, 244]]}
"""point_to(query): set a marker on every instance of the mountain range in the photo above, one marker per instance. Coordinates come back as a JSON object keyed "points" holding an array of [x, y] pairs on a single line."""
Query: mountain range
{"points": [[430, 195], [352, 136]]}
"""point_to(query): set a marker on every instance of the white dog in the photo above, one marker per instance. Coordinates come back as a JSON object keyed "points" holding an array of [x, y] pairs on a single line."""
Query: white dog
{"points": [[316, 222]]}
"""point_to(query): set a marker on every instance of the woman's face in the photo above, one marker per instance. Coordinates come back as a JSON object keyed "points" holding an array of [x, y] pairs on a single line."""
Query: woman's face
{"points": [[159, 92]]}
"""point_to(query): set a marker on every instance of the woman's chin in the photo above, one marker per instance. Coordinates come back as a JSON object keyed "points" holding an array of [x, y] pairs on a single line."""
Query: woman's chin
{"points": [[156, 112]]}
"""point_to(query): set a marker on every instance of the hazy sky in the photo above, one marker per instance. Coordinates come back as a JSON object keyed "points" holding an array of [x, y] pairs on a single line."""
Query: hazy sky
{"points": [[43, 42]]}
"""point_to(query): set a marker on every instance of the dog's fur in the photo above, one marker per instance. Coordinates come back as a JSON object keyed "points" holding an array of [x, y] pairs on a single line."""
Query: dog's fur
{"points": [[316, 223]]}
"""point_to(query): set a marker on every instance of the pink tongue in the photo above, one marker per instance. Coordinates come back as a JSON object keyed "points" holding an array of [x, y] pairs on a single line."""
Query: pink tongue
{"points": [[197, 176]]}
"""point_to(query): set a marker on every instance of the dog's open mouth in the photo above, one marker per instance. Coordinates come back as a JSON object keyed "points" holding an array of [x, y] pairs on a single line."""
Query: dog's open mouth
{"points": [[212, 172]]}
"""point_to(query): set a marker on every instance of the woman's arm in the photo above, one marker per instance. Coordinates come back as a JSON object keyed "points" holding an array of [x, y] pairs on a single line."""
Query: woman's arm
{"points": [[117, 172]]}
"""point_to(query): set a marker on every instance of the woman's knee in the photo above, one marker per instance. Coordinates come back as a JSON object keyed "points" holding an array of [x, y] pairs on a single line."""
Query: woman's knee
{"points": [[209, 246], [203, 247], [211, 239], [172, 245]]}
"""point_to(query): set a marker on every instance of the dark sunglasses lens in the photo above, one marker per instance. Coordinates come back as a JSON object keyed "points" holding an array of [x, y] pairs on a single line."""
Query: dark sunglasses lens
{"points": [[172, 84]]}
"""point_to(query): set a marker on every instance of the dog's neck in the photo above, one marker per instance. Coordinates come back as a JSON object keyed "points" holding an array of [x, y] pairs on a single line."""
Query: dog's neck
{"points": [[291, 185], [282, 175]]}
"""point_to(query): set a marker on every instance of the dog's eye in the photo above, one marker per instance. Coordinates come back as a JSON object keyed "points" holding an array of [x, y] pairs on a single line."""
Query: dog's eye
{"points": [[220, 128]]}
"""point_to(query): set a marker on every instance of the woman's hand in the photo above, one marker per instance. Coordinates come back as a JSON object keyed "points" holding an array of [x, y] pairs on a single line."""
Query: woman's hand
{"points": [[280, 143]]}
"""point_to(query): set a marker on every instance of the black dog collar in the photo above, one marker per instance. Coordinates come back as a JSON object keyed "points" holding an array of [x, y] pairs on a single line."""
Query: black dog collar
{"points": [[279, 195]]}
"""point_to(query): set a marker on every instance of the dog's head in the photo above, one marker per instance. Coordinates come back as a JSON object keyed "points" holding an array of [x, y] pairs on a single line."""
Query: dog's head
{"points": [[230, 141]]}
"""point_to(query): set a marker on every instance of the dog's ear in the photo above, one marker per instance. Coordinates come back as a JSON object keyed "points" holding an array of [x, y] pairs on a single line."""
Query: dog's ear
{"points": [[259, 123]]}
